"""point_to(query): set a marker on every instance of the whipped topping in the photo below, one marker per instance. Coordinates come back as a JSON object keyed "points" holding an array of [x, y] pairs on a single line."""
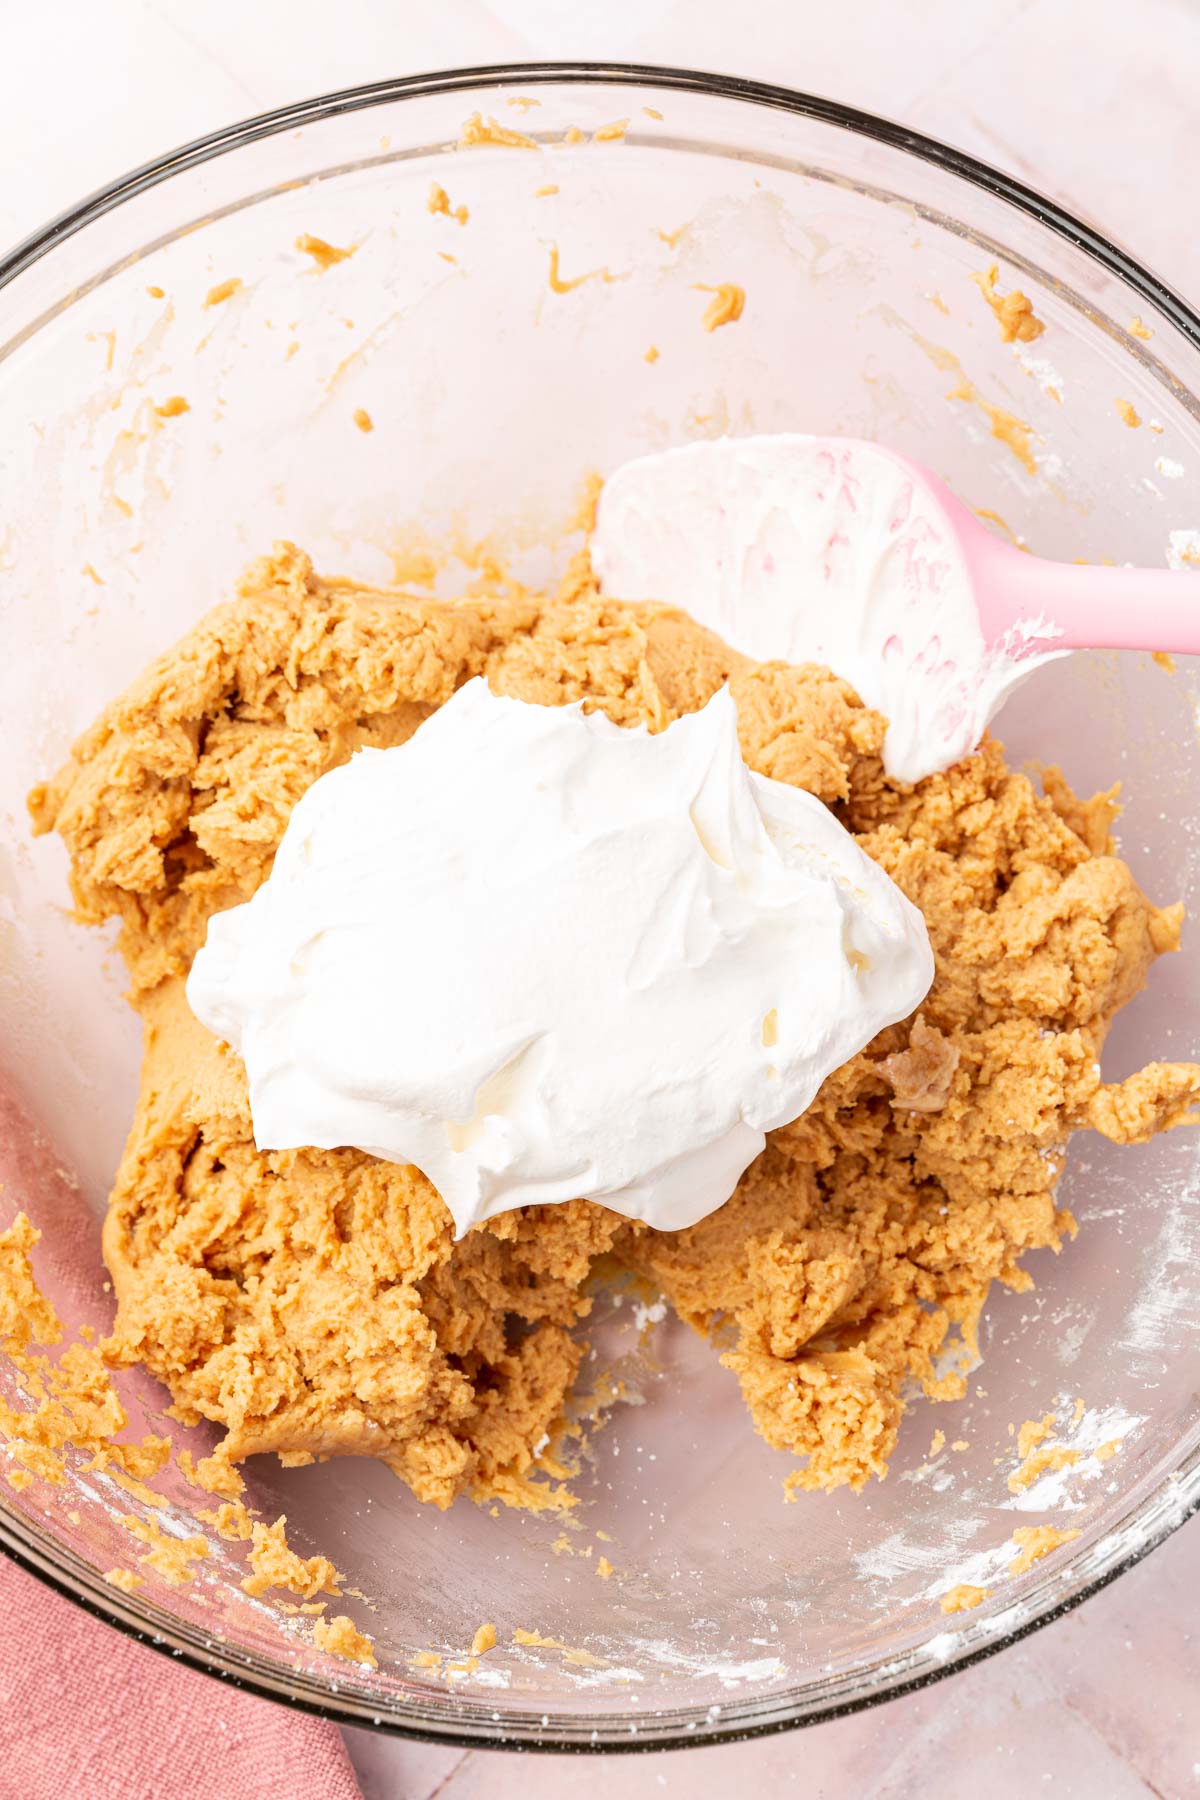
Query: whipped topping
{"points": [[543, 958], [821, 550]]}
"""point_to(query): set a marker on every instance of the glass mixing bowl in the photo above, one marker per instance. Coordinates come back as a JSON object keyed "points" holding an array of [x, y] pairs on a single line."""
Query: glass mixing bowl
{"points": [[492, 393]]}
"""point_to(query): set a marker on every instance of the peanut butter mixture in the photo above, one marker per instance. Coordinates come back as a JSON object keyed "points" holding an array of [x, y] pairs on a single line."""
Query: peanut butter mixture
{"points": [[314, 1303]]}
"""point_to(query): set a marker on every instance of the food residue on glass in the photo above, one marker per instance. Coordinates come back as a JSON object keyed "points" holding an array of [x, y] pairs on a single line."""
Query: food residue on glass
{"points": [[1034, 1542], [1014, 311], [439, 202], [478, 130], [726, 306], [560, 285], [323, 254]]}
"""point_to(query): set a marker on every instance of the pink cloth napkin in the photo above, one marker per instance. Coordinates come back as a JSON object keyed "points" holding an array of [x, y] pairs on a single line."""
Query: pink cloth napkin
{"points": [[86, 1711]]}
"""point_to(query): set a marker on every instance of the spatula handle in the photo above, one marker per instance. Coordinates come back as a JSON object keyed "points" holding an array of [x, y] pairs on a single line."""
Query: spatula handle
{"points": [[1094, 607]]}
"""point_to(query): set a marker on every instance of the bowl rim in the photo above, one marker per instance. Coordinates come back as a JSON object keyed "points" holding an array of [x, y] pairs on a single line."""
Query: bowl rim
{"points": [[1042, 1605]]}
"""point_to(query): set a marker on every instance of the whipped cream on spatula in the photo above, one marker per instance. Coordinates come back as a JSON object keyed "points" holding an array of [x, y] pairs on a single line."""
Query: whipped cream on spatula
{"points": [[828, 550]]}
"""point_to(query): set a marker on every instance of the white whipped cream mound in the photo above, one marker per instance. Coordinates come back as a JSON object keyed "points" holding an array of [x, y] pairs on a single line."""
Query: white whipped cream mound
{"points": [[543, 957], [804, 549]]}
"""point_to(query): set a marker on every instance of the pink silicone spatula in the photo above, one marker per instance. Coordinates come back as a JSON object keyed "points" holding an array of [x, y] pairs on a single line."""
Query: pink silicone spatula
{"points": [[835, 551]]}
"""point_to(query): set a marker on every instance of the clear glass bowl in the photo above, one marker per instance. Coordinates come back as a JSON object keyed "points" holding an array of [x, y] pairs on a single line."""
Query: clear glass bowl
{"points": [[492, 396]]}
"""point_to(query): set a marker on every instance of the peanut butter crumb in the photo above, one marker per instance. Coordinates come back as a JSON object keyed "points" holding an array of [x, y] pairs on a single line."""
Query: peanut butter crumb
{"points": [[960, 1444], [125, 1579], [1038, 1457], [549, 187], [1104, 1451], [187, 1468], [1155, 1099], [75, 1404], [171, 409], [726, 306], [535, 1640], [156, 293], [1078, 1411], [1046, 1460], [275, 1564], [609, 134], [439, 202], [964, 1598], [652, 112], [1033, 1432], [604, 1568], [216, 1476], [1128, 413], [1014, 311], [224, 290], [147, 1495], [672, 238], [479, 130], [40, 1460], [92, 574], [484, 1640], [560, 286], [572, 135], [936, 1443], [340, 1636], [524, 101], [1034, 1542], [26, 1316], [363, 419], [1138, 330], [323, 254], [651, 355], [170, 1557], [19, 1479], [230, 1521]]}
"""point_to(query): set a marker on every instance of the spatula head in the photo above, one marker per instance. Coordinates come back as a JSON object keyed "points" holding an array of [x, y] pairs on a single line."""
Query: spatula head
{"points": [[826, 550]]}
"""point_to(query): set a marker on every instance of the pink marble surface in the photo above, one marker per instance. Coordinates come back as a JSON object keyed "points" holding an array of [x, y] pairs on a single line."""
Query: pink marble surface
{"points": [[1092, 100]]}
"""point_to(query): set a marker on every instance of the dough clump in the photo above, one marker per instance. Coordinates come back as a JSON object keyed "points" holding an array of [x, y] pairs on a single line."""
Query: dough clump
{"points": [[313, 1303]]}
